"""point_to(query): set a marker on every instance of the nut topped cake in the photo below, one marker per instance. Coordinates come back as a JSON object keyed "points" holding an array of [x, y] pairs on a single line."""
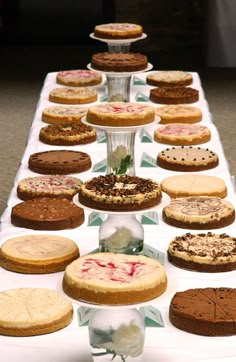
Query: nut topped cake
{"points": [[119, 62], [174, 95], [207, 252], [199, 212], [108, 278], [120, 193], [118, 31]]}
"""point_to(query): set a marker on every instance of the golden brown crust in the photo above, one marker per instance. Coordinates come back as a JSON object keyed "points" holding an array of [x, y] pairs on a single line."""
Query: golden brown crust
{"points": [[178, 114], [63, 114], [174, 95], [118, 31], [78, 78], [167, 78], [76, 95]]}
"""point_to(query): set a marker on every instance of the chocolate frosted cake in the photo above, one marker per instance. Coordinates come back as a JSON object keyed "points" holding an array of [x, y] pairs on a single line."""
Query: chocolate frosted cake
{"points": [[205, 311], [203, 252], [174, 95], [199, 212], [119, 62], [120, 193]]}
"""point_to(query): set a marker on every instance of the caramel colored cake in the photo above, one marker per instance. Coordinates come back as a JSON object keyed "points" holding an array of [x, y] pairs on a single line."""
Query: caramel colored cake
{"points": [[193, 185], [199, 212], [49, 186], [205, 311], [107, 278], [119, 62], [121, 114], [33, 311], [120, 193], [179, 134], [118, 31], [47, 213], [59, 162], [208, 253], [79, 77], [178, 114], [188, 159], [63, 114], [73, 95], [38, 254], [67, 134], [169, 78], [174, 95]]}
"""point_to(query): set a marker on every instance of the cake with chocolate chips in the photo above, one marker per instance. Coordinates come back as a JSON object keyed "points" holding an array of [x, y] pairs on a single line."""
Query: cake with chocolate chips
{"points": [[208, 253], [205, 311], [120, 193], [118, 31], [199, 212], [187, 159], [107, 278], [119, 62], [174, 95]]}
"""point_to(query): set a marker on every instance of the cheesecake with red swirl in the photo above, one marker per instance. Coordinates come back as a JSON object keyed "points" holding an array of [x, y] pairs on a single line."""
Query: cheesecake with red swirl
{"points": [[78, 77], [121, 114], [108, 278]]}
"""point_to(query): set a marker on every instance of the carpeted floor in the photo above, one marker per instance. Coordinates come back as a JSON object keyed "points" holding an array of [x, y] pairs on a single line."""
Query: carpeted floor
{"points": [[22, 73]]}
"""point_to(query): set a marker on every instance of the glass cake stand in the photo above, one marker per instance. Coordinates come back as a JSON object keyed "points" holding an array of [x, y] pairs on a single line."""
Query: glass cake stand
{"points": [[118, 45], [118, 83]]}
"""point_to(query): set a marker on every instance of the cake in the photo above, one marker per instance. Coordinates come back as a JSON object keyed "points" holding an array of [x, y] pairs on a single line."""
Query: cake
{"points": [[199, 212], [169, 78], [178, 114], [179, 134], [187, 159], [174, 95], [63, 114], [119, 62], [33, 311], [67, 134], [73, 95], [121, 114], [47, 213], [107, 278], [120, 193], [193, 185], [207, 252], [59, 162], [205, 311], [78, 77], [38, 254], [118, 31], [49, 186]]}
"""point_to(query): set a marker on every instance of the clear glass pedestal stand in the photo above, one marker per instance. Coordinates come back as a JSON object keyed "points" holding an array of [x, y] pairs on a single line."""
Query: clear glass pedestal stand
{"points": [[118, 88]]}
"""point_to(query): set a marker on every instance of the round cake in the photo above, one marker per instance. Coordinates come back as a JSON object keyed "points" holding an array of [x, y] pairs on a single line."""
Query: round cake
{"points": [[120, 193], [178, 114], [67, 134], [49, 186], [59, 162], [119, 62], [174, 95], [118, 31], [193, 185], [205, 311], [169, 78], [108, 278], [60, 114], [79, 77], [208, 253], [179, 134], [73, 95], [199, 212], [38, 254], [47, 213], [121, 114], [188, 159], [33, 311]]}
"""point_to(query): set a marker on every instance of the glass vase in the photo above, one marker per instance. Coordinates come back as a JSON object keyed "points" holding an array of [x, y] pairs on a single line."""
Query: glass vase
{"points": [[118, 87], [117, 335]]}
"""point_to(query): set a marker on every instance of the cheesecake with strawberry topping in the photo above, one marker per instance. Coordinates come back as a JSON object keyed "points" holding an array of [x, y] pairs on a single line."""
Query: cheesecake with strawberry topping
{"points": [[108, 278], [79, 77]]}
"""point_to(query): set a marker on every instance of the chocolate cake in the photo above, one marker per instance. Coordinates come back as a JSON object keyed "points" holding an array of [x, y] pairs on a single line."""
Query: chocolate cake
{"points": [[119, 62], [205, 311], [47, 213], [59, 162], [174, 95]]}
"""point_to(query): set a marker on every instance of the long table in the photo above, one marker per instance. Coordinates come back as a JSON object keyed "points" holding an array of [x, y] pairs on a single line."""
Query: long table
{"points": [[163, 343]]}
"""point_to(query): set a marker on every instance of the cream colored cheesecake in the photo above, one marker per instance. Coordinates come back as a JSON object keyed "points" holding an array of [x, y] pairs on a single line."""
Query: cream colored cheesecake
{"points": [[73, 95], [169, 78]]}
